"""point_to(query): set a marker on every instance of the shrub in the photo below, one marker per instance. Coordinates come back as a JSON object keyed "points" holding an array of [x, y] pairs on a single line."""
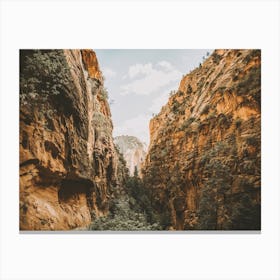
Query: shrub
{"points": [[205, 109], [180, 93], [251, 83], [224, 120], [246, 214], [216, 58], [175, 106], [104, 93], [251, 55], [44, 72], [130, 212], [189, 89], [238, 123], [187, 123], [252, 141]]}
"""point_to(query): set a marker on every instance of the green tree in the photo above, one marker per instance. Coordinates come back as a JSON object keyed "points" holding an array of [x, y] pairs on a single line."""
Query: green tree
{"points": [[135, 174], [246, 214], [216, 187], [44, 72]]}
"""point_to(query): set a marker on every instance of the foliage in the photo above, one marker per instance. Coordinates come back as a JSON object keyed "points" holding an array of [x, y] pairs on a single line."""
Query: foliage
{"points": [[103, 93], [216, 58], [180, 93], [252, 141], [141, 200], [172, 92], [238, 123], [102, 123], [251, 84], [224, 120], [246, 214], [205, 109], [189, 90], [122, 217], [43, 72], [217, 184], [130, 212], [187, 123], [217, 209], [251, 55], [175, 106]]}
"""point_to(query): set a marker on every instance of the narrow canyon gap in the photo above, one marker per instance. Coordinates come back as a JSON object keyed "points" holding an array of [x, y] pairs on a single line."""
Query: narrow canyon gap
{"points": [[202, 169]]}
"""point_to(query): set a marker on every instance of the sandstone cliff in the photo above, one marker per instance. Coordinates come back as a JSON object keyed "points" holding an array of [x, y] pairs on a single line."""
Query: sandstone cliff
{"points": [[133, 150], [69, 168], [203, 168]]}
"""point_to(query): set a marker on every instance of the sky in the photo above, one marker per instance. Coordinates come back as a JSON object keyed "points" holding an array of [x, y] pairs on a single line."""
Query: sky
{"points": [[139, 83]]}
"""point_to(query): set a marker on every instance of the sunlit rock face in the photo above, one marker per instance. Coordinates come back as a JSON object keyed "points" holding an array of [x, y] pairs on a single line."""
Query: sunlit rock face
{"points": [[133, 150], [69, 167], [203, 166]]}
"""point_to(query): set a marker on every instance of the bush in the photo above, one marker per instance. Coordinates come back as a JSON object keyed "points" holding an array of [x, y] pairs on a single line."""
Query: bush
{"points": [[251, 84], [224, 120], [252, 54], [252, 141], [246, 214], [189, 89], [217, 184], [123, 217], [187, 123], [43, 72], [216, 58], [238, 123], [175, 106], [205, 109], [103, 93], [180, 93]]}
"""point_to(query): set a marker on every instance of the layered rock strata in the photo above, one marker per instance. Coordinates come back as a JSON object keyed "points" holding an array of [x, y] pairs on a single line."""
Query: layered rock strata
{"points": [[69, 167], [203, 167]]}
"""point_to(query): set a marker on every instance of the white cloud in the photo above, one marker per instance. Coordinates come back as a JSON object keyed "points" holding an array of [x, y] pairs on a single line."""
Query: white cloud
{"points": [[158, 102], [166, 65], [137, 126], [139, 69], [153, 80], [109, 73]]}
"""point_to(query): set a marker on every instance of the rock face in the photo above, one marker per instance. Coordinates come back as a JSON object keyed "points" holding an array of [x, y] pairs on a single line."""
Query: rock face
{"points": [[69, 167], [133, 150], [203, 167]]}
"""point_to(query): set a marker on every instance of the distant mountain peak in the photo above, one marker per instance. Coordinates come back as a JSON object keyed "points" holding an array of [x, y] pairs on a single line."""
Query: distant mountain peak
{"points": [[133, 150]]}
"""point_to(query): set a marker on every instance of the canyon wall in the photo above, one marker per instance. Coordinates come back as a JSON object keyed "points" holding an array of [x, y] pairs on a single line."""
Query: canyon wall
{"points": [[133, 150], [69, 168], [203, 168]]}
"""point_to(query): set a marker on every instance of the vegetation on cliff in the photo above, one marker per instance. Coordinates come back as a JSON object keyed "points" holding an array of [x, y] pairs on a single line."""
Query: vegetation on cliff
{"points": [[69, 167], [202, 170], [130, 211], [204, 161]]}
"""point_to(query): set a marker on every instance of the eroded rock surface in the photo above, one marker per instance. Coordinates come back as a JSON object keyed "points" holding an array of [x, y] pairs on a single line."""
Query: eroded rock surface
{"points": [[203, 167], [69, 167]]}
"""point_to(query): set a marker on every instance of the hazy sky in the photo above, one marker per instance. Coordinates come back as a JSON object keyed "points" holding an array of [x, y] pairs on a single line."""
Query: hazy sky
{"points": [[139, 82]]}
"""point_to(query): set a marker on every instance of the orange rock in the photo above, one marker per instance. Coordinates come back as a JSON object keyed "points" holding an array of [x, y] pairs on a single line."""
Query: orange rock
{"points": [[91, 64], [214, 118], [67, 169]]}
